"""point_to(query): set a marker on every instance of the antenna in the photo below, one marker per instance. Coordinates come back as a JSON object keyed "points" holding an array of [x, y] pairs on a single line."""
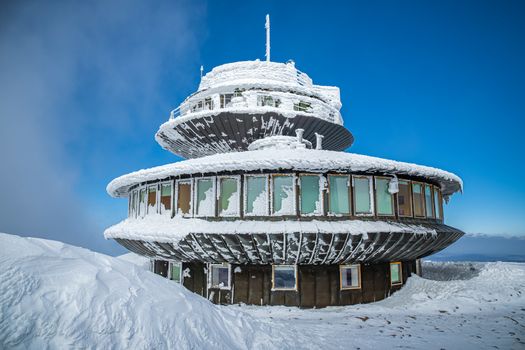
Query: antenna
{"points": [[267, 26], [202, 69]]}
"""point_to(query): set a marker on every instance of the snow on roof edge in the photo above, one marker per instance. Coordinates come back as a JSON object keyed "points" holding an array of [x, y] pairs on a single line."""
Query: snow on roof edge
{"points": [[296, 159]]}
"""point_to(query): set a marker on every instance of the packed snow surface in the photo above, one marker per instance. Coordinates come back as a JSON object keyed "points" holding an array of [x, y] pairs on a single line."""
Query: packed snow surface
{"points": [[291, 159], [57, 296]]}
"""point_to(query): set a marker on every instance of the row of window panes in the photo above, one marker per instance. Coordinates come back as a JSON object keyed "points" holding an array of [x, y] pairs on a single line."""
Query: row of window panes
{"points": [[284, 277], [276, 194]]}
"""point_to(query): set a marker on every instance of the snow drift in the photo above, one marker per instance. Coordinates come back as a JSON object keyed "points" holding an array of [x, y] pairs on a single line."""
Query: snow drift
{"points": [[53, 295]]}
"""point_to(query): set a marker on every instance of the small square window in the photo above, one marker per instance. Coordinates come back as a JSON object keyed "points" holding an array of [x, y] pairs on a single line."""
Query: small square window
{"points": [[395, 273], [284, 277], [176, 272], [350, 276], [219, 276]]}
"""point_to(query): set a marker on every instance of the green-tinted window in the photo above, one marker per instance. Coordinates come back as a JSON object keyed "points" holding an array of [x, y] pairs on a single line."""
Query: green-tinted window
{"points": [[419, 200], [228, 197], [384, 200], [283, 195], [256, 195], [395, 273], [310, 194], [205, 198], [437, 204], [339, 194], [428, 202], [176, 272], [165, 198], [363, 200]]}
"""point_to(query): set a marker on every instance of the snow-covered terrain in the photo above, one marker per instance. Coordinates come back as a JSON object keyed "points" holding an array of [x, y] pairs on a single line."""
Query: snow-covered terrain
{"points": [[56, 296]]}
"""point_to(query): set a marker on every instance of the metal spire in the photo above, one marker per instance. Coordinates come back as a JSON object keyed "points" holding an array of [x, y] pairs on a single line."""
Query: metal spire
{"points": [[267, 26]]}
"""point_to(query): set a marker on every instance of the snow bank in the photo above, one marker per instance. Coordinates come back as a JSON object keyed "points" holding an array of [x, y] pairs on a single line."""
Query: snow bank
{"points": [[291, 159], [136, 259], [57, 296], [161, 228]]}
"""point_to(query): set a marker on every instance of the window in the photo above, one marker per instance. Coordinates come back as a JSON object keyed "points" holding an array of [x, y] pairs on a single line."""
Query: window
{"points": [[438, 202], [142, 202], [205, 197], [267, 100], [219, 276], [208, 103], [350, 276], [395, 273], [175, 273], [339, 194], [302, 106], [384, 199], [283, 196], [133, 211], [197, 107], [165, 199], [226, 99], [229, 196], [152, 199], [311, 198], [256, 195], [429, 202], [184, 203], [419, 200], [404, 199], [284, 277], [363, 198]]}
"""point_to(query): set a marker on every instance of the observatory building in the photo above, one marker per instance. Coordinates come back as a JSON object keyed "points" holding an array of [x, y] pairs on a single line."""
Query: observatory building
{"points": [[268, 209]]}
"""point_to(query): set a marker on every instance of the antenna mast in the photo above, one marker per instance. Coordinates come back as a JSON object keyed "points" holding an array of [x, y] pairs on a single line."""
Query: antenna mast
{"points": [[202, 69], [267, 26]]}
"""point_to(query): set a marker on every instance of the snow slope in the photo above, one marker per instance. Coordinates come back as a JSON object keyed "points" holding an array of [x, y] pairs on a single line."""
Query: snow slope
{"points": [[57, 296]]}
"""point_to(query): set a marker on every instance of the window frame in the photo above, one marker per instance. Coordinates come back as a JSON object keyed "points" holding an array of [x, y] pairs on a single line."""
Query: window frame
{"points": [[370, 193], [245, 195], [294, 194], [433, 210], [163, 183], [376, 202], [218, 195], [181, 274], [350, 195], [398, 263], [274, 289], [176, 198], [214, 196], [439, 196], [210, 275], [140, 212], [411, 205], [320, 195], [414, 202], [349, 266], [148, 188]]}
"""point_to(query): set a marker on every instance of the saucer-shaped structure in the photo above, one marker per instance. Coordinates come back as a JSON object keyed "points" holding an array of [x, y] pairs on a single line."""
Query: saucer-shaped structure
{"points": [[241, 102]]}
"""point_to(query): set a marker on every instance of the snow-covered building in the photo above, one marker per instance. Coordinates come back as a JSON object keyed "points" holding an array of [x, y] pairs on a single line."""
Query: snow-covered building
{"points": [[268, 208]]}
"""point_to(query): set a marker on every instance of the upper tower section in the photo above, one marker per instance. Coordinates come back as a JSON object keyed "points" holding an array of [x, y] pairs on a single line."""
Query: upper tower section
{"points": [[238, 103]]}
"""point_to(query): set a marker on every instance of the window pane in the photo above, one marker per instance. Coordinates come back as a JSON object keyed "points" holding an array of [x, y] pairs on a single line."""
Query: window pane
{"points": [[152, 199], [134, 204], [142, 202], [339, 194], [385, 202], [437, 203], [256, 195], [428, 201], [283, 195], [229, 197], [205, 197], [219, 277], [175, 272], [395, 273], [350, 276], [363, 202], [310, 194], [284, 277], [419, 204], [184, 198], [404, 199], [165, 199]]}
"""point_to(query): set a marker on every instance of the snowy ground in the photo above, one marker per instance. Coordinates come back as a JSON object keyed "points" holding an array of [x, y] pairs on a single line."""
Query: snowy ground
{"points": [[57, 296]]}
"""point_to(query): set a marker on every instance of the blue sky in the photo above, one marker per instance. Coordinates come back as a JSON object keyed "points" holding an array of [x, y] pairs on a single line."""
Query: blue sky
{"points": [[85, 85]]}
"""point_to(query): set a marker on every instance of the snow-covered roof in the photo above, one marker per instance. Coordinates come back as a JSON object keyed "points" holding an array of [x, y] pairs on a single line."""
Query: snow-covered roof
{"points": [[162, 228], [286, 159]]}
